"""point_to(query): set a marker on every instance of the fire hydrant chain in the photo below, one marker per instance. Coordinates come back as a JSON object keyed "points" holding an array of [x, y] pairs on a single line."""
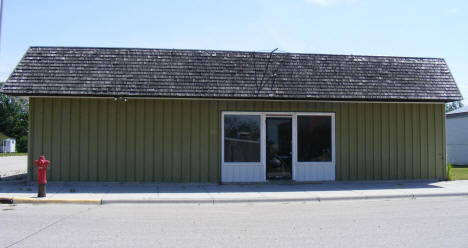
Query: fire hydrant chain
{"points": [[41, 165]]}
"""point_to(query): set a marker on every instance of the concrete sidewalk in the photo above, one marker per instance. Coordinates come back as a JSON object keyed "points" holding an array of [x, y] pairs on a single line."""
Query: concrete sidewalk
{"points": [[104, 193]]}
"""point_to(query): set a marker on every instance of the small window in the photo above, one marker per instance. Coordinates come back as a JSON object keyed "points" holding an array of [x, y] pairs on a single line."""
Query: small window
{"points": [[314, 138], [241, 138]]}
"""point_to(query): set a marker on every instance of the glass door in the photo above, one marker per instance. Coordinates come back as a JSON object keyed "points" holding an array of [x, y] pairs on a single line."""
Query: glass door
{"points": [[278, 147]]}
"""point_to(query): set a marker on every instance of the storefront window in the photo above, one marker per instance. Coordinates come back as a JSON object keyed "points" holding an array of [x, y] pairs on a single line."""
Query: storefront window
{"points": [[241, 138], [314, 138]]}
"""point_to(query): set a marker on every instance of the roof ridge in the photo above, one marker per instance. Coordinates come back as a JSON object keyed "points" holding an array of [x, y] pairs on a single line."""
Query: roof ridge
{"points": [[237, 51]]}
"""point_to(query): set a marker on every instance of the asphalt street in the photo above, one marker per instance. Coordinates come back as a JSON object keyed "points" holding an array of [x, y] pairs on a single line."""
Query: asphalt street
{"points": [[431, 222]]}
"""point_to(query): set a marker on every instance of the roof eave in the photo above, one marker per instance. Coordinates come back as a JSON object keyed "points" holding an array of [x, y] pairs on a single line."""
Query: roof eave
{"points": [[408, 100]]}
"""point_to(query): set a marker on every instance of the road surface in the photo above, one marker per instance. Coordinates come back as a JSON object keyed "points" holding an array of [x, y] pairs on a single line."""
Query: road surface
{"points": [[432, 222]]}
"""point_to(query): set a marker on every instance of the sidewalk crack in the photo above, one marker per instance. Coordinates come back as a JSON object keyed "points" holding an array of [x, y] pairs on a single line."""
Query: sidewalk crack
{"points": [[209, 193]]}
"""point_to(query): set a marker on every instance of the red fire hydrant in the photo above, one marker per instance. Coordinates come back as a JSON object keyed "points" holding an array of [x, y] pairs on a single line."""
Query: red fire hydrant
{"points": [[41, 165]]}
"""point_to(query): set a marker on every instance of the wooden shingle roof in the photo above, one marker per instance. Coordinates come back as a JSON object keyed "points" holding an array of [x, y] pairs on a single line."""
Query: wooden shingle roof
{"points": [[135, 72]]}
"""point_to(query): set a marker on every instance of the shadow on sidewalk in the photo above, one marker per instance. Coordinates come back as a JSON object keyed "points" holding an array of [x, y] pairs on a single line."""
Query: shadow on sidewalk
{"points": [[17, 177], [15, 186]]}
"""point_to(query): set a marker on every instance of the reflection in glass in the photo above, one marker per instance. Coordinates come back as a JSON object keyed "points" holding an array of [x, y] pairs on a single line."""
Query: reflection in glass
{"points": [[278, 147], [242, 138]]}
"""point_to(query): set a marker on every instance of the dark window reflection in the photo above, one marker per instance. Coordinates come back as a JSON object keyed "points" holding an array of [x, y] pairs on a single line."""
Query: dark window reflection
{"points": [[314, 138], [242, 138]]}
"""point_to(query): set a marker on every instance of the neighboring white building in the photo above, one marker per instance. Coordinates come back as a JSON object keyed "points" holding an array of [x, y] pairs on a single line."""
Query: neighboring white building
{"points": [[8, 145], [457, 136]]}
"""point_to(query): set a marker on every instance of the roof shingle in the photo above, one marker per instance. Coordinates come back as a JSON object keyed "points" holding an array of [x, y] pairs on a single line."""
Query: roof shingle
{"points": [[135, 72]]}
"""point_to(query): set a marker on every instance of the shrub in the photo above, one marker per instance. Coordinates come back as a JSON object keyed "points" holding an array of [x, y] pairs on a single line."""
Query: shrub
{"points": [[22, 144], [449, 172]]}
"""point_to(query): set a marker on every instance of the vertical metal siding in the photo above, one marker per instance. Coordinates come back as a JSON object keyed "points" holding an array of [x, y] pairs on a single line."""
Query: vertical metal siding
{"points": [[111, 133], [103, 126], [361, 134], [30, 144], [444, 141], [93, 148], [186, 138], [179, 140], [342, 118], [377, 149], [385, 141], [401, 145], [353, 141], [368, 148]]}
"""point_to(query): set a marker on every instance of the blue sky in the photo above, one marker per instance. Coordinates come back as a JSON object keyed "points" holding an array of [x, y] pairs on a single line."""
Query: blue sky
{"points": [[365, 27]]}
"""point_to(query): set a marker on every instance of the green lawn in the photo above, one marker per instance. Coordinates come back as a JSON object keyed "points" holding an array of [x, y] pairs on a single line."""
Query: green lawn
{"points": [[460, 172], [12, 154]]}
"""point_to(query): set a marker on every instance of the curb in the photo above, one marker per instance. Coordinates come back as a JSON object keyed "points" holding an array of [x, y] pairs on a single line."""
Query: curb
{"points": [[440, 195], [259, 200], [160, 201], [19, 200]]}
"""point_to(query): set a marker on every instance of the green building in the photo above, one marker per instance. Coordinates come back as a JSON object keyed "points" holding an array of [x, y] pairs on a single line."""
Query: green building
{"points": [[118, 114]]}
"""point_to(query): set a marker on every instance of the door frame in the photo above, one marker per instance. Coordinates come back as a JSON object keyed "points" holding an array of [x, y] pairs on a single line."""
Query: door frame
{"points": [[262, 162]]}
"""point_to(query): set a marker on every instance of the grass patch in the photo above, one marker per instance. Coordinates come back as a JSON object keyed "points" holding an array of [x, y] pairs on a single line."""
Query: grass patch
{"points": [[460, 172], [449, 172], [13, 154]]}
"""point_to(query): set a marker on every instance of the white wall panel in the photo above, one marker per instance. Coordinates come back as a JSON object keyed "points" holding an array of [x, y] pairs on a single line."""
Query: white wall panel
{"points": [[307, 173], [457, 140], [243, 173]]}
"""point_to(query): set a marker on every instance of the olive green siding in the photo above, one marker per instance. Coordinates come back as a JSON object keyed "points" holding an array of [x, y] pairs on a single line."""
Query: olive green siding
{"points": [[179, 140]]}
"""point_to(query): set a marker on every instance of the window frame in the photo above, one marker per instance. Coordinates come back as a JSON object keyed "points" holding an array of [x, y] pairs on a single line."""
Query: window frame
{"points": [[262, 139]]}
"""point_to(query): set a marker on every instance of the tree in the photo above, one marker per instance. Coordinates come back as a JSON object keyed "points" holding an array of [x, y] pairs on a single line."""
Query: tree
{"points": [[452, 106], [14, 120]]}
